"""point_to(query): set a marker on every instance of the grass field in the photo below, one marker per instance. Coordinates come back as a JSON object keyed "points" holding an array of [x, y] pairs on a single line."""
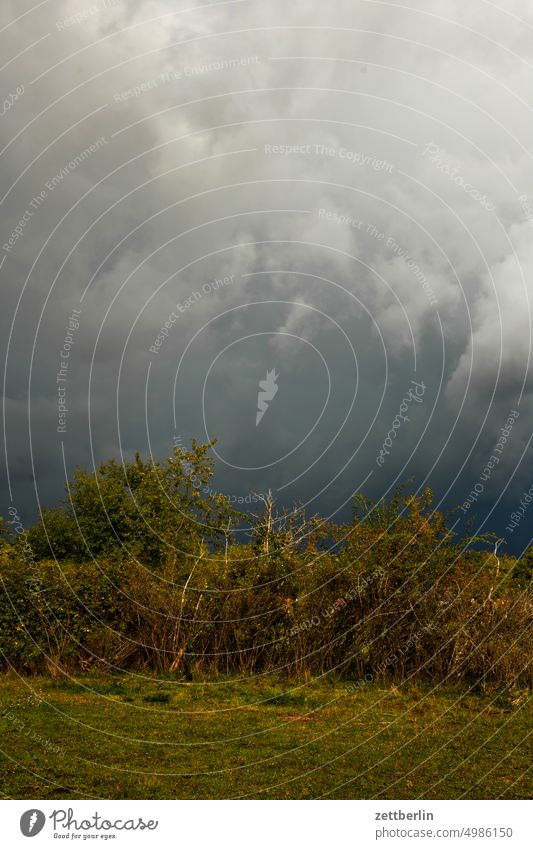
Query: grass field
{"points": [[130, 737]]}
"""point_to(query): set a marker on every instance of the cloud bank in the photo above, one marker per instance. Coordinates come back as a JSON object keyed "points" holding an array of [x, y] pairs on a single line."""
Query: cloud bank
{"points": [[341, 193]]}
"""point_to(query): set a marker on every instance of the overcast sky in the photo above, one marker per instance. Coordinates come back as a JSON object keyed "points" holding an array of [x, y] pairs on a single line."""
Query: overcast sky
{"points": [[334, 199]]}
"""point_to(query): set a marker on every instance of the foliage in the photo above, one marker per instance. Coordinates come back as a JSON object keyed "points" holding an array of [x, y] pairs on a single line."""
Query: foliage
{"points": [[523, 570], [148, 510], [146, 576]]}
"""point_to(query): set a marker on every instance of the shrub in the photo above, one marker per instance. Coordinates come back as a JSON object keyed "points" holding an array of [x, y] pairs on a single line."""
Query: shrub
{"points": [[390, 596]]}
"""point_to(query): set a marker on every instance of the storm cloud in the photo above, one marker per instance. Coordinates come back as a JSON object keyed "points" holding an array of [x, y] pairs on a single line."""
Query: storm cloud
{"points": [[335, 199]]}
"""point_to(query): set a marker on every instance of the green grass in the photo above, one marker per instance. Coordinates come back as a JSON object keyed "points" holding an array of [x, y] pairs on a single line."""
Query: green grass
{"points": [[131, 737]]}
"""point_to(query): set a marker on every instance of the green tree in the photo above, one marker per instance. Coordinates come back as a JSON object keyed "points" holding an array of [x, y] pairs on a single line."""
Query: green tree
{"points": [[147, 509], [56, 535]]}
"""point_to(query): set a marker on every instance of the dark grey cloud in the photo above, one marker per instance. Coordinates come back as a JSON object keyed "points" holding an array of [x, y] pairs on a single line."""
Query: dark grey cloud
{"points": [[340, 192]]}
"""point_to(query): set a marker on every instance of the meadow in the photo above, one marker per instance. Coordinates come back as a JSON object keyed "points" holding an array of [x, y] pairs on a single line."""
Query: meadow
{"points": [[130, 737]]}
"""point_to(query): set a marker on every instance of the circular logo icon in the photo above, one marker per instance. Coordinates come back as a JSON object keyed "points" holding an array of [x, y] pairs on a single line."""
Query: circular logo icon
{"points": [[32, 822]]}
